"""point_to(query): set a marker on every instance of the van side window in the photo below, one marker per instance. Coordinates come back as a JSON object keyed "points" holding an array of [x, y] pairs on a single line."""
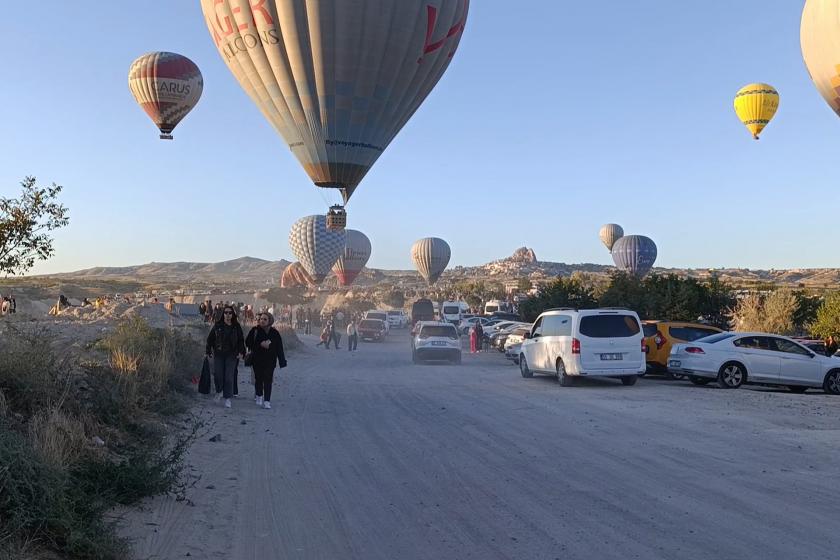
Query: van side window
{"points": [[538, 327], [557, 325]]}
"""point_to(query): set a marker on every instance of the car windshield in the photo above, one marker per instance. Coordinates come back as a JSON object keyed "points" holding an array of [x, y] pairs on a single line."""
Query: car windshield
{"points": [[491, 308], [714, 338], [609, 326], [393, 313], [380, 316], [451, 310], [370, 324], [690, 334], [649, 329], [442, 331]]}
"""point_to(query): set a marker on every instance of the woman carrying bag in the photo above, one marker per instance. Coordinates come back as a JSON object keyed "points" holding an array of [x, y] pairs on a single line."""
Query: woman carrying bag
{"points": [[265, 351]]}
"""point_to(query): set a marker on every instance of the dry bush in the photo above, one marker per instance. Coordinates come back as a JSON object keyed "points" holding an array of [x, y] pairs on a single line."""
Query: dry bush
{"points": [[58, 437], [773, 313]]}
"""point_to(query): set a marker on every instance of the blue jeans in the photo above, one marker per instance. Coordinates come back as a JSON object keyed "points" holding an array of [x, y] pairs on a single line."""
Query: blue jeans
{"points": [[223, 368]]}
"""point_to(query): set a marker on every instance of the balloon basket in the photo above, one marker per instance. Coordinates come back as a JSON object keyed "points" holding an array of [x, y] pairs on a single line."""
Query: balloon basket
{"points": [[336, 218], [166, 137]]}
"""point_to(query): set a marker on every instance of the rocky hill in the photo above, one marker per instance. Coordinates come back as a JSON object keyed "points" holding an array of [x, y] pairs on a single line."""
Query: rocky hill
{"points": [[523, 263]]}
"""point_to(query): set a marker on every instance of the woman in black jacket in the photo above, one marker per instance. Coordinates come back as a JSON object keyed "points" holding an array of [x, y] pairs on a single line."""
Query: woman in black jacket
{"points": [[226, 344], [266, 347]]}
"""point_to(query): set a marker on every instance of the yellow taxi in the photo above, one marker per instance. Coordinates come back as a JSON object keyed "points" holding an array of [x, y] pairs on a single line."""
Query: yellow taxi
{"points": [[661, 335]]}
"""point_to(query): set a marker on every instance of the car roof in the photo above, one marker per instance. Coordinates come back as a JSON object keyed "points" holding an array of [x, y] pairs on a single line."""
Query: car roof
{"points": [[380, 320], [679, 324], [435, 324], [586, 312]]}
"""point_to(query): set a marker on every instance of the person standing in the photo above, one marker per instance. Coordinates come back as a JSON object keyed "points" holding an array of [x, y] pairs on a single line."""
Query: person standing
{"points": [[473, 333], [266, 347], [352, 336], [479, 336], [226, 344], [335, 332], [830, 346]]}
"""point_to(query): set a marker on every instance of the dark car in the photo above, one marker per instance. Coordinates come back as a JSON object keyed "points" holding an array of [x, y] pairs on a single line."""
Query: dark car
{"points": [[422, 310], [371, 329]]}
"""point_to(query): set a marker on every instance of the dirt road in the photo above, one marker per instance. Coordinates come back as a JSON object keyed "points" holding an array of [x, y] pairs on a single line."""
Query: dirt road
{"points": [[367, 456]]}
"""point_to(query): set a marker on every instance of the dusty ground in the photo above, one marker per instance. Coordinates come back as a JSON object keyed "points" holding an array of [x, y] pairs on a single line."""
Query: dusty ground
{"points": [[371, 457]]}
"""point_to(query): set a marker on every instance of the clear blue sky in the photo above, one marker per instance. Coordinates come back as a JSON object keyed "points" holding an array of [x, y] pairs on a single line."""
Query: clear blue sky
{"points": [[552, 120]]}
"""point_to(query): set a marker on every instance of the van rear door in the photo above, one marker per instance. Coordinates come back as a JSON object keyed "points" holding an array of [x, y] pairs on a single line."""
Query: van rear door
{"points": [[610, 340]]}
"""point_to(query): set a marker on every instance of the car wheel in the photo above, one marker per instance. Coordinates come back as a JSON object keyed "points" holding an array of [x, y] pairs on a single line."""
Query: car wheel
{"points": [[523, 367], [562, 378], [799, 389], [731, 376], [699, 380], [629, 380], [832, 382]]}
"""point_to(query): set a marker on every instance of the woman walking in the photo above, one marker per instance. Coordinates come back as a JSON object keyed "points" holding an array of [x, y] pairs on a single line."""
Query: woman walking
{"points": [[473, 338], [226, 344], [266, 347]]}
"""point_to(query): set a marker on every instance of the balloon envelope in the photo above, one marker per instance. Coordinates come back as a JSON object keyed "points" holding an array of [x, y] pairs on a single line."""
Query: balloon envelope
{"points": [[431, 256], [820, 40], [296, 276], [354, 257], [337, 79], [167, 86], [756, 105], [610, 233], [316, 247], [634, 254]]}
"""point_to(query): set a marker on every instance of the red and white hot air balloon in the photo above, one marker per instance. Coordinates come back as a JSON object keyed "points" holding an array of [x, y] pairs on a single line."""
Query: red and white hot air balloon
{"points": [[167, 86], [353, 259]]}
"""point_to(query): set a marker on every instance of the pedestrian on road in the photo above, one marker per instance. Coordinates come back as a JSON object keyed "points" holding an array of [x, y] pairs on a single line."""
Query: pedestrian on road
{"points": [[266, 347], [479, 337], [352, 336], [473, 334], [325, 337], [226, 344], [335, 333]]}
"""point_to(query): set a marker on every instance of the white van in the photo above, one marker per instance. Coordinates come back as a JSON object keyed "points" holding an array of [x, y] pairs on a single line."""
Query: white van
{"points": [[494, 305], [380, 315], [573, 343], [450, 312]]}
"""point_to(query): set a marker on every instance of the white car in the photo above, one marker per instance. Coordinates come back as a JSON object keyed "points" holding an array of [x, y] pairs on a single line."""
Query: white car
{"points": [[397, 319], [465, 325], [573, 343], [451, 312], [733, 359], [513, 343], [436, 340], [382, 316]]}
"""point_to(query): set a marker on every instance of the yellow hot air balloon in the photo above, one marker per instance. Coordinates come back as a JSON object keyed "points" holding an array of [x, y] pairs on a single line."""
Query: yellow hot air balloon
{"points": [[755, 105], [820, 40], [337, 79]]}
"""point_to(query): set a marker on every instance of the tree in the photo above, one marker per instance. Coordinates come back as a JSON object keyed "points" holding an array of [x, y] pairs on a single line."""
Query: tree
{"points": [[524, 285], [561, 293], [827, 322], [773, 313], [395, 299], [24, 226]]}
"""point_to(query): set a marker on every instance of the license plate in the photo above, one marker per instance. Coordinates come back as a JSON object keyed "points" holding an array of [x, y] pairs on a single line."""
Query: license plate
{"points": [[438, 343], [611, 357], [674, 363]]}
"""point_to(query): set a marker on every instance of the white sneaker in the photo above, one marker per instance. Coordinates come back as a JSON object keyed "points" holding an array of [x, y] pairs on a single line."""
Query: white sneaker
{"points": [[218, 397], [266, 405], [259, 401], [227, 403]]}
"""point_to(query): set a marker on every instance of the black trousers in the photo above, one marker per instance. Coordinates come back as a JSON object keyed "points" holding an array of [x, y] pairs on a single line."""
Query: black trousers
{"points": [[336, 337], [352, 342], [263, 378], [224, 366]]}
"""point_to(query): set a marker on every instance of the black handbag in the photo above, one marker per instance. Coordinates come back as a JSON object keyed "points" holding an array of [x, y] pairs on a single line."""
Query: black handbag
{"points": [[249, 356], [204, 380]]}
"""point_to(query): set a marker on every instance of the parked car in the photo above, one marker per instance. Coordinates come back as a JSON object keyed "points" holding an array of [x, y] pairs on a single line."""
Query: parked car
{"points": [[372, 329], [451, 312], [466, 324], [422, 310], [660, 336], [498, 331], [505, 316], [436, 340], [493, 306], [397, 319], [513, 342], [572, 343], [733, 359], [381, 316]]}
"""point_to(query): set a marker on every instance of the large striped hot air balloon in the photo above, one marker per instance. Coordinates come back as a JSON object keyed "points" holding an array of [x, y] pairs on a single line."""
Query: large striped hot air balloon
{"points": [[634, 254], [609, 234], [431, 256], [820, 40], [353, 259], [316, 247], [295, 276], [167, 86], [755, 105], [337, 79]]}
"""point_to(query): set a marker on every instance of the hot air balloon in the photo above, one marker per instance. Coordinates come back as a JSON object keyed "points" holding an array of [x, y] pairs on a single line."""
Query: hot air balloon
{"points": [[316, 247], [634, 254], [353, 259], [430, 256], [295, 276], [755, 105], [167, 86], [610, 233], [820, 40], [337, 79]]}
